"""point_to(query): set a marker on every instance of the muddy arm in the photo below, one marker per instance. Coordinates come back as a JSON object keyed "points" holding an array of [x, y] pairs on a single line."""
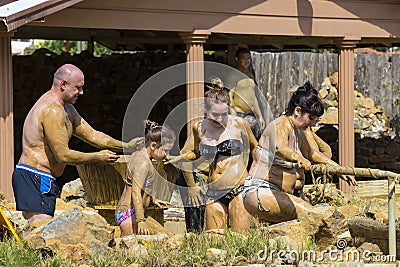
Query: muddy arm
{"points": [[137, 173], [257, 111], [249, 136], [284, 151], [191, 148], [56, 137], [317, 143]]}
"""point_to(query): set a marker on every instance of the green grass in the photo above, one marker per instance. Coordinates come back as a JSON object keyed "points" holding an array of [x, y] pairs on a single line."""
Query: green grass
{"points": [[191, 250], [13, 253]]}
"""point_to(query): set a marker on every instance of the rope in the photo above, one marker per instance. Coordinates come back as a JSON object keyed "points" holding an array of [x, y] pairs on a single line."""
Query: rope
{"points": [[319, 195]]}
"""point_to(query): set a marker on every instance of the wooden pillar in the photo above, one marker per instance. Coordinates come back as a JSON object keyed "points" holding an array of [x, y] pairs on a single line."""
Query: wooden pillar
{"points": [[346, 106], [194, 75], [6, 115], [90, 46]]}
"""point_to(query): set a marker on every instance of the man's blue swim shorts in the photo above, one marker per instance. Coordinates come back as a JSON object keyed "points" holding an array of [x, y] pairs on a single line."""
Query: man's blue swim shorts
{"points": [[34, 190]]}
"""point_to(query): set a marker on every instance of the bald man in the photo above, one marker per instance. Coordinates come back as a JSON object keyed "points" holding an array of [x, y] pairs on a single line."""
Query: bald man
{"points": [[47, 130]]}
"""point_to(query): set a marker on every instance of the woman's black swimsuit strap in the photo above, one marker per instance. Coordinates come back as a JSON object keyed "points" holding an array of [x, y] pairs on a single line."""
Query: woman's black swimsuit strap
{"points": [[230, 147]]}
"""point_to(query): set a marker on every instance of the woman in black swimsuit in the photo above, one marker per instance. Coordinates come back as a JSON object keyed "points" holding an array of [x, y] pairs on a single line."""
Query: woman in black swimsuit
{"points": [[219, 149]]}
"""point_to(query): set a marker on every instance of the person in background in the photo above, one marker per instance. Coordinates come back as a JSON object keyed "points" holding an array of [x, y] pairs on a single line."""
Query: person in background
{"points": [[244, 96], [47, 129]]}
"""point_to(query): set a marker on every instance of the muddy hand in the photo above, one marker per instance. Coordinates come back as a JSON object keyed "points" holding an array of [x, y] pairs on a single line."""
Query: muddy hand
{"points": [[135, 144], [162, 204], [107, 156], [173, 159], [304, 163], [195, 196], [351, 180]]}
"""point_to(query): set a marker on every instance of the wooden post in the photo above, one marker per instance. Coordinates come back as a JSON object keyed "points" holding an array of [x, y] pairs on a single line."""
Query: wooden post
{"points": [[194, 75], [346, 106], [6, 115]]}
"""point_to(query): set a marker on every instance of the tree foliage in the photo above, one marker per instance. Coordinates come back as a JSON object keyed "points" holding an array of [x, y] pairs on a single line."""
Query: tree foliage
{"points": [[59, 46]]}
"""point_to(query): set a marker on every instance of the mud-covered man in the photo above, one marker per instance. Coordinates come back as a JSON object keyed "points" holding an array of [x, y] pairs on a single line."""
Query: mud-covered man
{"points": [[48, 127]]}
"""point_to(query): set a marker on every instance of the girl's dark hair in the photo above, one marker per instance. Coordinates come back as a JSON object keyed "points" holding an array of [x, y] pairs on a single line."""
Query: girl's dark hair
{"points": [[157, 133], [217, 93], [306, 97]]}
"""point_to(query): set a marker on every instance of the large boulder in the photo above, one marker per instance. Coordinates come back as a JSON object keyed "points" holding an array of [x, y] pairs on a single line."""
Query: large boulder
{"points": [[73, 235]]}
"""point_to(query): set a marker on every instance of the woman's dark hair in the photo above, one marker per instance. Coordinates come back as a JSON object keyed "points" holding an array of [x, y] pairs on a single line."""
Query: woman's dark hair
{"points": [[306, 97], [217, 93], [157, 133]]}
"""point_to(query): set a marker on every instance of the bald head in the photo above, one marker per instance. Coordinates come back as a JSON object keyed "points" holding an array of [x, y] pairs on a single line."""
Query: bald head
{"points": [[64, 73]]}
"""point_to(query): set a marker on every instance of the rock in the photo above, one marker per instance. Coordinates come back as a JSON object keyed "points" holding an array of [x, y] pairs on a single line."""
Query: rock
{"points": [[349, 211], [175, 241], [334, 223], [382, 158], [240, 260], [326, 83], [73, 189], [131, 245], [74, 233], [299, 230], [323, 93], [373, 248], [62, 206], [330, 117], [75, 193], [148, 238], [216, 253], [393, 149], [344, 235], [334, 79]]}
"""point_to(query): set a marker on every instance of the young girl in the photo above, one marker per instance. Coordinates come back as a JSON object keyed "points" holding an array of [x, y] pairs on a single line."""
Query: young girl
{"points": [[137, 194]]}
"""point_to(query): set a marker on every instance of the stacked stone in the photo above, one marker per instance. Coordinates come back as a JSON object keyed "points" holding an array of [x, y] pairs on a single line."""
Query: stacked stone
{"points": [[375, 143], [369, 120]]}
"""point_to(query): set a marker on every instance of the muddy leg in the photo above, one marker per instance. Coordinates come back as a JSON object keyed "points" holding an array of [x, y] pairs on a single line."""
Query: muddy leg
{"points": [[274, 206], [127, 227], [32, 216], [216, 215], [239, 217]]}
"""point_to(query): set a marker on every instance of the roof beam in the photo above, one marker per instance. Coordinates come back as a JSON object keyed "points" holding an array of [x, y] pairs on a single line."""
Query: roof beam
{"points": [[19, 13]]}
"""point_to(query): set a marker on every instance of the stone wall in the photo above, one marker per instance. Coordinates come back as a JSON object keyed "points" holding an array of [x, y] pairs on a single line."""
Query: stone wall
{"points": [[376, 143], [110, 82]]}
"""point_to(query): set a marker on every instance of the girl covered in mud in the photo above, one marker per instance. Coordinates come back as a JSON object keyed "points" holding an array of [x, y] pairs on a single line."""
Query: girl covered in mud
{"points": [[137, 194]]}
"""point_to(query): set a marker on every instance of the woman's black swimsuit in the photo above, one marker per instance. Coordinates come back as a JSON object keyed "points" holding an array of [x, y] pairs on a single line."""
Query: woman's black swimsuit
{"points": [[230, 147]]}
